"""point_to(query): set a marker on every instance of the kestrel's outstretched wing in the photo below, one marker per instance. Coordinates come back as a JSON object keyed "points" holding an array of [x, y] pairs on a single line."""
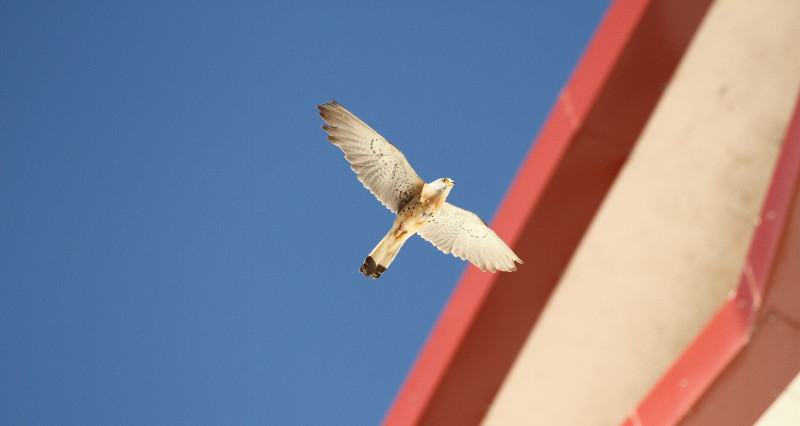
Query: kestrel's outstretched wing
{"points": [[463, 233], [380, 166]]}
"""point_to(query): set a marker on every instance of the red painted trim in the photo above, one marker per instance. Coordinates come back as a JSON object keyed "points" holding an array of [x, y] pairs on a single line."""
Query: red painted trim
{"points": [[547, 209], [697, 373]]}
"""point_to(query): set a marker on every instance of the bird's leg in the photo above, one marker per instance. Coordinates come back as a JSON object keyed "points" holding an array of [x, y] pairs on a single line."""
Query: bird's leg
{"points": [[400, 232]]}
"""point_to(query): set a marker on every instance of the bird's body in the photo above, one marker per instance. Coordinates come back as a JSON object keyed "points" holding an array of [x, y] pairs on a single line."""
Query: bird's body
{"points": [[411, 218], [420, 207]]}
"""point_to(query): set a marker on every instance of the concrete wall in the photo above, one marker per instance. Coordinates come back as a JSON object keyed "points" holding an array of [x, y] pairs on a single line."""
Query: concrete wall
{"points": [[670, 239]]}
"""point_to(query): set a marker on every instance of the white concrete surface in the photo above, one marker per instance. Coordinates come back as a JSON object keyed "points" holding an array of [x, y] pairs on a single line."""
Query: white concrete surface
{"points": [[670, 239]]}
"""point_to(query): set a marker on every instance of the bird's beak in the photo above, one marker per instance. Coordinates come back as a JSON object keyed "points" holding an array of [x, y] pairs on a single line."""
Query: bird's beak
{"points": [[451, 182]]}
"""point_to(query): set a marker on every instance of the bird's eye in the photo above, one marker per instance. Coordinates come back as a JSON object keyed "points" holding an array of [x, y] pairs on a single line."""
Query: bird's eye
{"points": [[444, 180]]}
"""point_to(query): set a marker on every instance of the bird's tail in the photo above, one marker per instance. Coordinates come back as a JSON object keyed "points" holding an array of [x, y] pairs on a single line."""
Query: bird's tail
{"points": [[383, 254]]}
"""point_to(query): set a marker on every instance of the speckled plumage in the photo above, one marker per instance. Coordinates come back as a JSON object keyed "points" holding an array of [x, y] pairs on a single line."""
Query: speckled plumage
{"points": [[420, 207]]}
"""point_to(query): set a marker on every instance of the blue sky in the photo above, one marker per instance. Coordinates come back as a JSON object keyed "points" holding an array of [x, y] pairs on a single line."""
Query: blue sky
{"points": [[178, 241]]}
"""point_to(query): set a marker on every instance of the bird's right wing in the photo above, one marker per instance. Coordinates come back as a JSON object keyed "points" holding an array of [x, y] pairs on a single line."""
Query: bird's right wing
{"points": [[463, 233], [380, 166]]}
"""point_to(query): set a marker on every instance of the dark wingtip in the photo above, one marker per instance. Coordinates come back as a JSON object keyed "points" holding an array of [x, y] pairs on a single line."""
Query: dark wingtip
{"points": [[331, 103], [372, 269], [322, 108]]}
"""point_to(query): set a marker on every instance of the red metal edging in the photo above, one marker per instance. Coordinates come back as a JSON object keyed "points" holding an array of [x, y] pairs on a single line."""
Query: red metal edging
{"points": [[564, 178]]}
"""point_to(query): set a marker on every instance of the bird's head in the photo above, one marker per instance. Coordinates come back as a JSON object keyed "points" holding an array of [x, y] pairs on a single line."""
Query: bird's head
{"points": [[443, 184]]}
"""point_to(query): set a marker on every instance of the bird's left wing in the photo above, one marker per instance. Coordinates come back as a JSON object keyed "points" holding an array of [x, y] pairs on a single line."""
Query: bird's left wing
{"points": [[463, 233], [380, 166]]}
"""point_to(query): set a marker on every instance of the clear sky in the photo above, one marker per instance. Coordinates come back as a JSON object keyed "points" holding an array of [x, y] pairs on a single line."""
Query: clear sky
{"points": [[178, 241]]}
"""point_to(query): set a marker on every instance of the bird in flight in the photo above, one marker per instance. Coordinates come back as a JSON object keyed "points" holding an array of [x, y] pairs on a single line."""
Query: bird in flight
{"points": [[420, 207]]}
